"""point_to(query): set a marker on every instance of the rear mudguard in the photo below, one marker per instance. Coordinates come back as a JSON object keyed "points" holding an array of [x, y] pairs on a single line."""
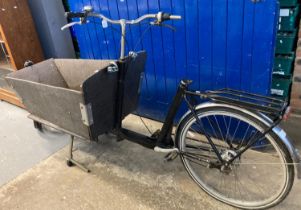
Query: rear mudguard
{"points": [[267, 121]]}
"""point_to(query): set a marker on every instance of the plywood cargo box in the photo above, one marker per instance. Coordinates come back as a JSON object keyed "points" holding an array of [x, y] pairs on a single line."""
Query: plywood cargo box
{"points": [[78, 96]]}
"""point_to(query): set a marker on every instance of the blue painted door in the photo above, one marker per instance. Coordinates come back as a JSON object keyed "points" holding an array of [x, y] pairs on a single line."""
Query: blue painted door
{"points": [[217, 44]]}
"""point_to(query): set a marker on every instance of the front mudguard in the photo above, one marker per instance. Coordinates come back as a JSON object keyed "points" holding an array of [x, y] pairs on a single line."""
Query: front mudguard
{"points": [[295, 155]]}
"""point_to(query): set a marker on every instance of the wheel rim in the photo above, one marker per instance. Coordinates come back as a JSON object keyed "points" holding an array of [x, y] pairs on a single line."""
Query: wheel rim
{"points": [[250, 184]]}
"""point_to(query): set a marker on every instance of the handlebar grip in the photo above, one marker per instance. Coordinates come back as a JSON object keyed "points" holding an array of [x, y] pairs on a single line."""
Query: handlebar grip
{"points": [[75, 14], [167, 16], [175, 17]]}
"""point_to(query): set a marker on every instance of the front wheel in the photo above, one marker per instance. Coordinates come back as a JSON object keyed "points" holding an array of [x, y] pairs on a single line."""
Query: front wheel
{"points": [[260, 178]]}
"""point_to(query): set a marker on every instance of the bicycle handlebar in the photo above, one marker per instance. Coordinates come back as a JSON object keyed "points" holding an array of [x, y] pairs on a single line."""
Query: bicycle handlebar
{"points": [[75, 14], [175, 17], [70, 25], [160, 16], [87, 12]]}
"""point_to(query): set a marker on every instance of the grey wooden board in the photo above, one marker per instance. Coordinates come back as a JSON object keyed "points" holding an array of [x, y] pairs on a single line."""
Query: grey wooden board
{"points": [[4, 72], [100, 91], [49, 124], [76, 71], [52, 91], [132, 81], [45, 72], [57, 105]]}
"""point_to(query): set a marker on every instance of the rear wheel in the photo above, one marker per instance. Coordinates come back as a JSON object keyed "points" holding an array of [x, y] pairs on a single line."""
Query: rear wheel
{"points": [[260, 178]]}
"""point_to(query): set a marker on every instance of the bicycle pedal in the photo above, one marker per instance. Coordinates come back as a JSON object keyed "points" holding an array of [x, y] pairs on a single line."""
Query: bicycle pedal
{"points": [[171, 156], [166, 150]]}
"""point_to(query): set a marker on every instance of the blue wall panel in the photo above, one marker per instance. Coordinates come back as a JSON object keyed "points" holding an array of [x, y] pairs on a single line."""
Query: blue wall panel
{"points": [[218, 43]]}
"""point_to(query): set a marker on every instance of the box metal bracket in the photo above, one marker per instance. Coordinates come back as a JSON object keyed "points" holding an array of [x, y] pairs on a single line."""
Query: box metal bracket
{"points": [[86, 112]]}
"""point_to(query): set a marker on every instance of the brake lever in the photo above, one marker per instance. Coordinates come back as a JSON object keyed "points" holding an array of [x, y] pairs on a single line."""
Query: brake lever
{"points": [[168, 26], [70, 25], [157, 23], [74, 23]]}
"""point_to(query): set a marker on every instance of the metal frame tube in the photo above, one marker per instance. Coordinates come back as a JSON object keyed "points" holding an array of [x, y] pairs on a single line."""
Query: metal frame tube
{"points": [[165, 133], [122, 41], [71, 160]]}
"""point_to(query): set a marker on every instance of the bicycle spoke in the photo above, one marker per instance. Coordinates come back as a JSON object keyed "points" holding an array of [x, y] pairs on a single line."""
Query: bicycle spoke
{"points": [[219, 129], [229, 125], [198, 156], [235, 132], [248, 140], [246, 181], [194, 161], [255, 184], [212, 128], [227, 130], [207, 143], [203, 148], [239, 183], [251, 141], [244, 137]]}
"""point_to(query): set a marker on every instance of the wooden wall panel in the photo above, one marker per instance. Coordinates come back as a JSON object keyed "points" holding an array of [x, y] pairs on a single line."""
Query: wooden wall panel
{"points": [[19, 31], [21, 40], [10, 97]]}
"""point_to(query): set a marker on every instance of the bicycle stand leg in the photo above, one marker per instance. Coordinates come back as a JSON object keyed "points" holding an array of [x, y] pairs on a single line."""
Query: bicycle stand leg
{"points": [[71, 161]]}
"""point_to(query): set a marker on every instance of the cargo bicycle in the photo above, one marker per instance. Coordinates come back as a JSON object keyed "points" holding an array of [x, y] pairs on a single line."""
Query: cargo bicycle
{"points": [[230, 144]]}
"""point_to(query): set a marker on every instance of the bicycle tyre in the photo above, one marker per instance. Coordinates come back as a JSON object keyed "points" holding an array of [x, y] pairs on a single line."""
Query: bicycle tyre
{"points": [[271, 136]]}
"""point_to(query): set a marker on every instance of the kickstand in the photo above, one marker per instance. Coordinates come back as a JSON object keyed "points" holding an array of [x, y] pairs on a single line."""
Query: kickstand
{"points": [[71, 161]]}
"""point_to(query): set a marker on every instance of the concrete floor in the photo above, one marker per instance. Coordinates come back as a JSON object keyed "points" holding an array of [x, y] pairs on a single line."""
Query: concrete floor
{"points": [[124, 176], [21, 146]]}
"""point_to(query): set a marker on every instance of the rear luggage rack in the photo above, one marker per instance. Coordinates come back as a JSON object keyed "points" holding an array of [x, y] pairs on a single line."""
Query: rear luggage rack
{"points": [[272, 106]]}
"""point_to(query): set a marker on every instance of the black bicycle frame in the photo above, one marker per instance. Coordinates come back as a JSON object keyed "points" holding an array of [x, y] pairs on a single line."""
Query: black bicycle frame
{"points": [[164, 138], [238, 98]]}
